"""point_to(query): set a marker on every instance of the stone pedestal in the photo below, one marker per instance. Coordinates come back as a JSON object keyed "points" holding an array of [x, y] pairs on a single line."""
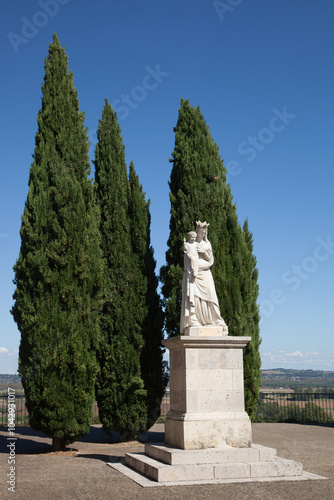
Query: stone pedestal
{"points": [[206, 391], [208, 435]]}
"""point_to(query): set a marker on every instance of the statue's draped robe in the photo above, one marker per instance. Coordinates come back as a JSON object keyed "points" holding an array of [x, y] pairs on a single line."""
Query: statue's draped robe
{"points": [[199, 299]]}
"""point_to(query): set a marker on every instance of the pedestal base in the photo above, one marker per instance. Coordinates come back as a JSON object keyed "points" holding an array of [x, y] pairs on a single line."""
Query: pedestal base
{"points": [[208, 437], [165, 464], [197, 432]]}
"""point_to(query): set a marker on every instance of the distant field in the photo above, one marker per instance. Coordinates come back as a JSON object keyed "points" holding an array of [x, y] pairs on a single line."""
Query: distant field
{"points": [[280, 389], [273, 380], [17, 386]]}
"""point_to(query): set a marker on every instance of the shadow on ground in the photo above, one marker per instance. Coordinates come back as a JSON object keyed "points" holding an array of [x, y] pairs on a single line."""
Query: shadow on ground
{"points": [[29, 441]]}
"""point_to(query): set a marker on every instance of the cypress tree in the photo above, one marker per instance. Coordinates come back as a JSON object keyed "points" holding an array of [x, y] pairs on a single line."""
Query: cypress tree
{"points": [[153, 369], [58, 273], [198, 191], [250, 292], [120, 391]]}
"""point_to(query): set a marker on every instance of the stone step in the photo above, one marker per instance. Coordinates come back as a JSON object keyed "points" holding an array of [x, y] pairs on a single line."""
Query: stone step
{"points": [[164, 473], [175, 456], [167, 473], [280, 467]]}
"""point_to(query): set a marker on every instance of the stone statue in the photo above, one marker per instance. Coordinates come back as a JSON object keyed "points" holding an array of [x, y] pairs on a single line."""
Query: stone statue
{"points": [[199, 299]]}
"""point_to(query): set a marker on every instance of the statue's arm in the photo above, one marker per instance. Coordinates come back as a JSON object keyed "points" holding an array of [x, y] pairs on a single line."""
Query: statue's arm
{"points": [[206, 254]]}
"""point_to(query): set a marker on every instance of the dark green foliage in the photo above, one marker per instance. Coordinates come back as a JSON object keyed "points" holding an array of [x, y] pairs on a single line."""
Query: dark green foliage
{"points": [[58, 273], [152, 365], [269, 411], [313, 413], [297, 411], [198, 191], [120, 391], [249, 293]]}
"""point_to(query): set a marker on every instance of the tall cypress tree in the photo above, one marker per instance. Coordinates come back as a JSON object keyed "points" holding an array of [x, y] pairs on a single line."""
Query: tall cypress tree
{"points": [[198, 191], [58, 273], [250, 292], [152, 365], [120, 391]]}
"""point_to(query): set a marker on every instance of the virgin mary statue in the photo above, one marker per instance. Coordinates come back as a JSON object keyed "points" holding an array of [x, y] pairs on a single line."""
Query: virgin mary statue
{"points": [[199, 299]]}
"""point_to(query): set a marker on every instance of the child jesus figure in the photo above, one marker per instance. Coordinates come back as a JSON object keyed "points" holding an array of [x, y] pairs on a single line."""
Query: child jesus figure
{"points": [[191, 254]]}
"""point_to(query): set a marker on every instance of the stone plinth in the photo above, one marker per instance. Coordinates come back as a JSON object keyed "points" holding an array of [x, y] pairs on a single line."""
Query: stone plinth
{"points": [[206, 391], [170, 465], [207, 431]]}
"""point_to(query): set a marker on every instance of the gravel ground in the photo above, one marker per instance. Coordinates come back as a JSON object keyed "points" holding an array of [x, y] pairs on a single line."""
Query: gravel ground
{"points": [[81, 472]]}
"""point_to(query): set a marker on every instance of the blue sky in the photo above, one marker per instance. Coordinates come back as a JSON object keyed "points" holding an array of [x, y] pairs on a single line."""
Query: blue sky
{"points": [[261, 72]]}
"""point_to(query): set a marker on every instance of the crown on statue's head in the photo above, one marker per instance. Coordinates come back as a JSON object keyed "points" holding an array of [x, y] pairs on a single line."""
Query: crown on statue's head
{"points": [[203, 225]]}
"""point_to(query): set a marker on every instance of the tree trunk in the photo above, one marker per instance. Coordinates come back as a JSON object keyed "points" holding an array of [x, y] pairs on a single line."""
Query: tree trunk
{"points": [[58, 444]]}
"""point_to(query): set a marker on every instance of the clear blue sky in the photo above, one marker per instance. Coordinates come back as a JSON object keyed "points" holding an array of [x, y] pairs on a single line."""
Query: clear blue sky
{"points": [[261, 72]]}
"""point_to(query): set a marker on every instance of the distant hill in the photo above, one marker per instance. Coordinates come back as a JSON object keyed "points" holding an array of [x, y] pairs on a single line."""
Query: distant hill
{"points": [[297, 379], [12, 381], [6, 377]]}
